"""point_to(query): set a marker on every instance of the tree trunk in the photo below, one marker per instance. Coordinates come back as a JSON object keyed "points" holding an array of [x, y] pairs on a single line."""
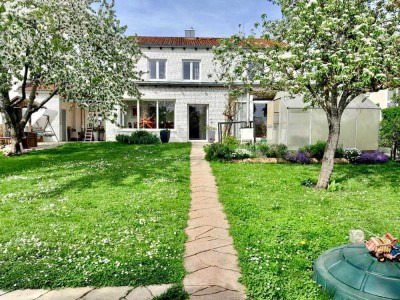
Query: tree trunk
{"points": [[17, 135], [329, 154]]}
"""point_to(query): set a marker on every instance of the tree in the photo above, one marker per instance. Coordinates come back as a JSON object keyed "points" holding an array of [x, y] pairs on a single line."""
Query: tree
{"points": [[390, 129], [328, 50], [395, 98], [77, 51]]}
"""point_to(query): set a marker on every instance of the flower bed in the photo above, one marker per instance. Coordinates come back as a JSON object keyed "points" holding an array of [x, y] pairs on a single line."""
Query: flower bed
{"points": [[231, 151]]}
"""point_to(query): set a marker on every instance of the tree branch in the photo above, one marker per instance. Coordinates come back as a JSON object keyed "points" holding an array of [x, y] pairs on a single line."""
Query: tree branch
{"points": [[24, 82], [53, 93]]}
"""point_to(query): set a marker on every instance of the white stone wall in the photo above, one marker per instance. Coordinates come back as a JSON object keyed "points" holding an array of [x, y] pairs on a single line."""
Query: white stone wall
{"points": [[214, 97], [381, 98], [175, 57], [53, 104]]}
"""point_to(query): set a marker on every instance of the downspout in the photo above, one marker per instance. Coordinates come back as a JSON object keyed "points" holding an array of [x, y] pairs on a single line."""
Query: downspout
{"points": [[248, 109]]}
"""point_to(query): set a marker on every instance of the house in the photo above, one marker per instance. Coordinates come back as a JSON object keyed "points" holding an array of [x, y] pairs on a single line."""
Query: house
{"points": [[384, 98], [57, 120], [179, 88], [180, 91]]}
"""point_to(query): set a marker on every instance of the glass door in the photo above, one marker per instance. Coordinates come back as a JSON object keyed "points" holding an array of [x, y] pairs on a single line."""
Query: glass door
{"points": [[197, 121], [260, 111]]}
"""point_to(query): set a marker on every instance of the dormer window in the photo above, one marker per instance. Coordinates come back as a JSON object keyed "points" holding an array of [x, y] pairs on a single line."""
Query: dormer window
{"points": [[157, 69], [191, 70]]}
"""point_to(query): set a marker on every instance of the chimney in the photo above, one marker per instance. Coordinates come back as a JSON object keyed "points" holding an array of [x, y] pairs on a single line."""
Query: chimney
{"points": [[190, 33]]}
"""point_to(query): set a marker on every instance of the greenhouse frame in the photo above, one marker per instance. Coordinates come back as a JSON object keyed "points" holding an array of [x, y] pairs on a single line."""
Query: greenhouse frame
{"points": [[290, 122]]}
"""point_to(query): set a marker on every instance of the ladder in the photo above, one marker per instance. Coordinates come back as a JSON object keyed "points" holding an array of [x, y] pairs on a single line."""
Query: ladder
{"points": [[88, 134]]}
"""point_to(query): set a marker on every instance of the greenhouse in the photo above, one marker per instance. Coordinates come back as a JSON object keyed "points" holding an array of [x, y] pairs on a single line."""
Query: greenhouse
{"points": [[289, 123]]}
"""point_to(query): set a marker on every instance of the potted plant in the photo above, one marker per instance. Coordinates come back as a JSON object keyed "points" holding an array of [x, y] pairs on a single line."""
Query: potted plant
{"points": [[211, 133], [101, 131], [95, 134], [264, 133], [165, 135]]}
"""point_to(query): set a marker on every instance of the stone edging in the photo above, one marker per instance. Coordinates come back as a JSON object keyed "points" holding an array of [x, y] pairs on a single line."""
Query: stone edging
{"points": [[272, 160]]}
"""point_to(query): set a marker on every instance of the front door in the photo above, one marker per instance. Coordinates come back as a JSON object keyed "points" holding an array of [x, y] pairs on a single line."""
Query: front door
{"points": [[197, 121], [63, 122], [260, 118]]}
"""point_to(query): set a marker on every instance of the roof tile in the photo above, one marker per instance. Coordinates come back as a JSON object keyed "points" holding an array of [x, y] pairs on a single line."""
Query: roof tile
{"points": [[187, 41]]}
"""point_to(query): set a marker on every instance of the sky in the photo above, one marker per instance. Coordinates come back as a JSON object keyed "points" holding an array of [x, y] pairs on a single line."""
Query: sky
{"points": [[210, 18]]}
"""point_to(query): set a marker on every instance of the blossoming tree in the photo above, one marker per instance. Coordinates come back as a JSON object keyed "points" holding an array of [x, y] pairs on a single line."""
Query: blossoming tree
{"points": [[77, 48], [328, 50]]}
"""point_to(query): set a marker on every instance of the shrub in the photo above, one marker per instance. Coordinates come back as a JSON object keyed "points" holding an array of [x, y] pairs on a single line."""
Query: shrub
{"points": [[278, 150], [390, 129], [263, 149], [143, 137], [372, 158], [305, 149], [318, 149], [218, 152], [339, 152], [231, 141], [298, 157], [351, 154], [241, 153], [122, 138]]}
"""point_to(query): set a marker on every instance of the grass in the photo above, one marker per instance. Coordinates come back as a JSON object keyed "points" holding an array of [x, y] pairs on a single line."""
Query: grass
{"points": [[280, 227], [104, 214]]}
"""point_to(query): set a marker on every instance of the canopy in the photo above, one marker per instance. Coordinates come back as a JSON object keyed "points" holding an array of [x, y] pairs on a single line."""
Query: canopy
{"points": [[39, 118]]}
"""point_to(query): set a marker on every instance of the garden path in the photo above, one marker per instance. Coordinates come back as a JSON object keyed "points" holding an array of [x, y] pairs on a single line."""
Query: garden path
{"points": [[210, 258], [89, 293]]}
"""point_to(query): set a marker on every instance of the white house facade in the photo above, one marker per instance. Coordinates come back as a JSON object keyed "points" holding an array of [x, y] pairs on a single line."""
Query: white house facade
{"points": [[179, 90]]}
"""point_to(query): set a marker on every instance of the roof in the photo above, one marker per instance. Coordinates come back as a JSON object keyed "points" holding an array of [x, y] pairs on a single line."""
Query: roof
{"points": [[40, 88], [165, 41], [296, 101]]}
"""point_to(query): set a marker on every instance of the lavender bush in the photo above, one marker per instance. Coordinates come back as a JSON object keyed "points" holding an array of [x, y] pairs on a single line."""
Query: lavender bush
{"points": [[298, 157], [372, 158]]}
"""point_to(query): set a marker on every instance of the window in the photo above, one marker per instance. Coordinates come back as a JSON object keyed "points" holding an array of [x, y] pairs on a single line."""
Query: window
{"points": [[157, 69], [166, 114], [191, 70], [394, 97], [150, 115]]}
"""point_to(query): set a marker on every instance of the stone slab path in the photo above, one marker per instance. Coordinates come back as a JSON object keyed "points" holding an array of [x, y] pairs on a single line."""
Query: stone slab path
{"points": [[210, 259], [89, 293]]}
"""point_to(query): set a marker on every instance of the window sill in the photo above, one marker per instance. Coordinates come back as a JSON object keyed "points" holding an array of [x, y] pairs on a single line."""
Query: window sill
{"points": [[147, 129]]}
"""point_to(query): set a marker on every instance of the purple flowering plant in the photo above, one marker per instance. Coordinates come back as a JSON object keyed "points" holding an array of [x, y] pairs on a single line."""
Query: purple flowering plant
{"points": [[298, 157], [375, 157]]}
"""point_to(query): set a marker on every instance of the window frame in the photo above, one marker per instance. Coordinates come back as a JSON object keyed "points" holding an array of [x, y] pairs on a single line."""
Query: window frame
{"points": [[191, 61], [138, 103], [157, 61]]}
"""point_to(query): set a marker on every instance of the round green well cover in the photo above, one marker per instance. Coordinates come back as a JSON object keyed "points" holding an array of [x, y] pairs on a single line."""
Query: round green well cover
{"points": [[350, 272]]}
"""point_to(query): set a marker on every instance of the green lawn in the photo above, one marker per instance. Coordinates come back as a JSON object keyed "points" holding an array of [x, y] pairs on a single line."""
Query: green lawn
{"points": [[280, 227], [99, 214]]}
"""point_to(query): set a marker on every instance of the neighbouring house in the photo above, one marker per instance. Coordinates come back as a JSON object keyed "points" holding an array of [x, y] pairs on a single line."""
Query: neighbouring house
{"points": [[384, 98]]}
